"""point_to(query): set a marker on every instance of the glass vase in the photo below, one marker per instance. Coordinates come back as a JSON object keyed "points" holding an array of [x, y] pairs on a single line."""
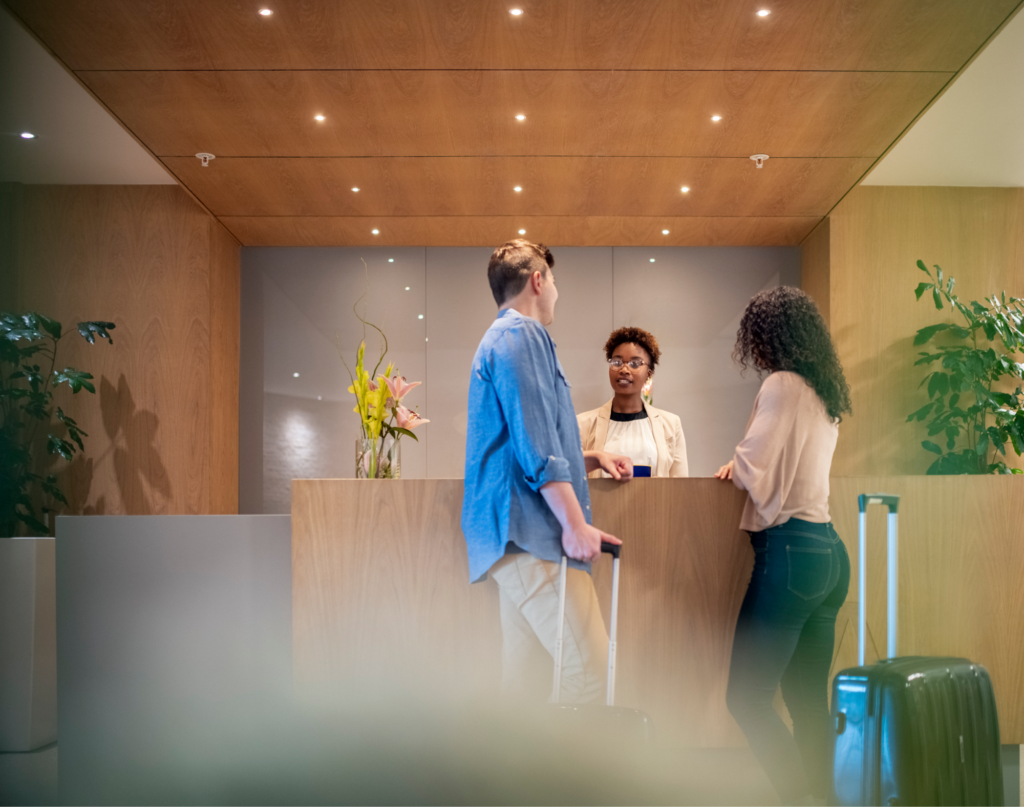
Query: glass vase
{"points": [[380, 459]]}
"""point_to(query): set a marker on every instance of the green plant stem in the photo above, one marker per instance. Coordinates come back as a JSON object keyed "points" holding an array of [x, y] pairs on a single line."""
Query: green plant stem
{"points": [[46, 386]]}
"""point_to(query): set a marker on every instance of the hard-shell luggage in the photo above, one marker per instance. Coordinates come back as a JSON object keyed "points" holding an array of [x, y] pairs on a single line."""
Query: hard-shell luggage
{"points": [[911, 730], [630, 727]]}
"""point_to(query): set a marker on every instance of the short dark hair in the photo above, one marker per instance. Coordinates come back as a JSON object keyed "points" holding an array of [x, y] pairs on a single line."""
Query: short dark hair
{"points": [[635, 336], [512, 264]]}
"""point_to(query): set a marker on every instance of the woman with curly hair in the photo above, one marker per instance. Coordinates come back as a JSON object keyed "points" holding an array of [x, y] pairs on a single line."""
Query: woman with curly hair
{"points": [[627, 425], [786, 626]]}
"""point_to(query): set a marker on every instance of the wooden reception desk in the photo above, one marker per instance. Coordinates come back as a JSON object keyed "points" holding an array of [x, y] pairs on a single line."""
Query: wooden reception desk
{"points": [[381, 594]]}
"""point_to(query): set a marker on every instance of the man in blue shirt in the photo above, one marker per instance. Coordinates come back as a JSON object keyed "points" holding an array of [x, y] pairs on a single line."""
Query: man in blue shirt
{"points": [[526, 498]]}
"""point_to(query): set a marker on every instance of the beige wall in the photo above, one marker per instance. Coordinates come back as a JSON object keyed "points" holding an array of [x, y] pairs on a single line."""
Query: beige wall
{"points": [[163, 426], [868, 272]]}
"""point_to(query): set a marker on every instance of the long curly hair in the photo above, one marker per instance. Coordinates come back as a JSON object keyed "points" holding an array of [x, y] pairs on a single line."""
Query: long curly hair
{"points": [[782, 329]]}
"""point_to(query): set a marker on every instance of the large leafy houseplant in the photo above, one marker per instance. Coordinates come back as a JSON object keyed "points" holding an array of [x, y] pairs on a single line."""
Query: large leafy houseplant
{"points": [[968, 403], [27, 415]]}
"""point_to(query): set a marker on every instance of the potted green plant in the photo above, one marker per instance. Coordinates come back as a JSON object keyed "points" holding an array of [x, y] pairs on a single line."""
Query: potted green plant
{"points": [[28, 422], [970, 408]]}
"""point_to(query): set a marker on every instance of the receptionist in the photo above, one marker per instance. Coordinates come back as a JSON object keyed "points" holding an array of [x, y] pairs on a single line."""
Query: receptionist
{"points": [[628, 425]]}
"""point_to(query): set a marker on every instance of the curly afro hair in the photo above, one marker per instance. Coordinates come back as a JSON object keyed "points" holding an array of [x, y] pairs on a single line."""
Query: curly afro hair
{"points": [[636, 336], [782, 329]]}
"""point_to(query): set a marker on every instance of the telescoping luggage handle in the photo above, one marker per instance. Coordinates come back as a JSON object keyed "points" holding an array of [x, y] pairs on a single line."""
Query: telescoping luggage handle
{"points": [[892, 570], [613, 550]]}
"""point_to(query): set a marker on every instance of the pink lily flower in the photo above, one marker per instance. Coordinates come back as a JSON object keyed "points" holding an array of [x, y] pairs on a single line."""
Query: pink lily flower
{"points": [[399, 387], [372, 386], [408, 419]]}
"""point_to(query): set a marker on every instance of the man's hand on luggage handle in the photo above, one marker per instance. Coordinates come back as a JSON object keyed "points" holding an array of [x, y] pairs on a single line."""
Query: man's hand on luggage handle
{"points": [[725, 472], [615, 465], [580, 540], [583, 542]]}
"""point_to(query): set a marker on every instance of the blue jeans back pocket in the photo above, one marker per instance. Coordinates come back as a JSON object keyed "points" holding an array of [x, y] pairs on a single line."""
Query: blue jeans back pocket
{"points": [[810, 571]]}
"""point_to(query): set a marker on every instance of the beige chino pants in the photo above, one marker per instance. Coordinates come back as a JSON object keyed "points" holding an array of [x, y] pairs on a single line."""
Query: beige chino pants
{"points": [[528, 593]]}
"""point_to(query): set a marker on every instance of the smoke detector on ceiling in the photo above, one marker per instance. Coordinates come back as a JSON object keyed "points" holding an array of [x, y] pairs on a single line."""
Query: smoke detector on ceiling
{"points": [[206, 157], [757, 158]]}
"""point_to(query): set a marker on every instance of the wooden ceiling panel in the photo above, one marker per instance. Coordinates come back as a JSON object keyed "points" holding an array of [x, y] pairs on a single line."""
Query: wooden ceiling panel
{"points": [[932, 35], [552, 186], [489, 231], [449, 113]]}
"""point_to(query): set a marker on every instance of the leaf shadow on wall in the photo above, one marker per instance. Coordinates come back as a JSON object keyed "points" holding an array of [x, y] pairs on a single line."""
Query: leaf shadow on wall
{"points": [[140, 473]]}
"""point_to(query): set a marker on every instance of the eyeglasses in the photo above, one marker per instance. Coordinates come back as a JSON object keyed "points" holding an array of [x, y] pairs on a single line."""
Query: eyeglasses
{"points": [[632, 364]]}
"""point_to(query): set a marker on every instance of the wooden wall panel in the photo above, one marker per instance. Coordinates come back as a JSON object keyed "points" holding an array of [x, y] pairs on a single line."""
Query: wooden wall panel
{"points": [[480, 231], [551, 186], [877, 234], [573, 113], [141, 257], [564, 35], [814, 268], [381, 590], [225, 336]]}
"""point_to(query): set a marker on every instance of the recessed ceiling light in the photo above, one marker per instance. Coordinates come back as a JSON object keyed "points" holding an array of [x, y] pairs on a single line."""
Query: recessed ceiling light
{"points": [[320, 118], [685, 189], [295, 375], [265, 12], [516, 12], [375, 232], [420, 317], [319, 397], [664, 232], [522, 232], [520, 117], [28, 135], [517, 189], [652, 260], [716, 118], [355, 190], [407, 288], [391, 260], [763, 12]]}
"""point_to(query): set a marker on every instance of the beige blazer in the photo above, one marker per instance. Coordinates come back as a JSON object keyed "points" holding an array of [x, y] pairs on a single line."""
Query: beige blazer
{"points": [[668, 436]]}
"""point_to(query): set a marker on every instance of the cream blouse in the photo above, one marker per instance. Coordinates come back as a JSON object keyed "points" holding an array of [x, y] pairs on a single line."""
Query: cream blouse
{"points": [[783, 461]]}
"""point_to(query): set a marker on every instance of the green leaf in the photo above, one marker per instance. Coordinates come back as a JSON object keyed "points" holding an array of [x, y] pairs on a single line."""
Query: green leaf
{"points": [[938, 274], [90, 330], [923, 268], [922, 288], [51, 326], [949, 286], [921, 413], [938, 384], [937, 299], [55, 445], [982, 447], [928, 445], [925, 334]]}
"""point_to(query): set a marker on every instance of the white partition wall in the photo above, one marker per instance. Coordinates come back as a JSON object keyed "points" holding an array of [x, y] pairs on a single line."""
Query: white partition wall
{"points": [[691, 298]]}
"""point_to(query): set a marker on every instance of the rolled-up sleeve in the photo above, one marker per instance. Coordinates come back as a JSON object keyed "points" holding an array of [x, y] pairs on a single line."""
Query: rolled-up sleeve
{"points": [[525, 376], [757, 464]]}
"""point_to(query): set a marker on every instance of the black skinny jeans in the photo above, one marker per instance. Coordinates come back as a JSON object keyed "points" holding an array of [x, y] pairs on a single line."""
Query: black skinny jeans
{"points": [[785, 634]]}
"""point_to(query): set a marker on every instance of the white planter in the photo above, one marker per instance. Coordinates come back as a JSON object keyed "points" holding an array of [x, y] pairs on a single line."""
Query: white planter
{"points": [[28, 643]]}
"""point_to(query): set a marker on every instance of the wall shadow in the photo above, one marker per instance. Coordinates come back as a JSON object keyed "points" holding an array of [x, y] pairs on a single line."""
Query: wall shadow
{"points": [[141, 477]]}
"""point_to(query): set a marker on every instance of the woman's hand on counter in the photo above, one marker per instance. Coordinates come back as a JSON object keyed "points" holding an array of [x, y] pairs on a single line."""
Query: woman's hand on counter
{"points": [[615, 465], [725, 472]]}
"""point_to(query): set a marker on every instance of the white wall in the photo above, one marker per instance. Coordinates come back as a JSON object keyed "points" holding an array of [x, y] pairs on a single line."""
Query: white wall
{"points": [[690, 298]]}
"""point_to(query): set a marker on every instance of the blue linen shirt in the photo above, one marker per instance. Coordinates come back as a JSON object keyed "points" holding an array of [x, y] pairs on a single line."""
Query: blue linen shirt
{"points": [[522, 434]]}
